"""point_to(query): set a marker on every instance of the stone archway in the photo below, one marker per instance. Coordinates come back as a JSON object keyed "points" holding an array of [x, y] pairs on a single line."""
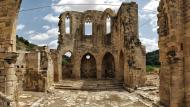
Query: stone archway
{"points": [[67, 65], [88, 67], [108, 66], [121, 66]]}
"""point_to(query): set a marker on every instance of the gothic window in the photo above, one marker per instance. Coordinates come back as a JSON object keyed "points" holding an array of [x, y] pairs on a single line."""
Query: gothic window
{"points": [[67, 25], [88, 27], [67, 57], [108, 25]]}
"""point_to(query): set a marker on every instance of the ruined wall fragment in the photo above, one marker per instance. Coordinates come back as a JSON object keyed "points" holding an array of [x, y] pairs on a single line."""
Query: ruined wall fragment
{"points": [[173, 43]]}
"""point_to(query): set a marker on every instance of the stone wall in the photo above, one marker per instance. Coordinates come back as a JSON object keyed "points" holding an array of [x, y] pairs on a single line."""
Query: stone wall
{"points": [[121, 46], [8, 16], [53, 54], [20, 69], [39, 74], [173, 22]]}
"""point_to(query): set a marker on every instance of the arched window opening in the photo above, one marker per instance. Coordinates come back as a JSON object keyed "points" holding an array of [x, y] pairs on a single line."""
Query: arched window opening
{"points": [[108, 66], [67, 65], [67, 25], [87, 57], [108, 25], [88, 67], [67, 57], [88, 27]]}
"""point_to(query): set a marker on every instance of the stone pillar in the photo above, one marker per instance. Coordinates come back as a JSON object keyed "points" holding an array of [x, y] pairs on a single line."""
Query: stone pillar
{"points": [[186, 47], [11, 79], [59, 65], [117, 69], [99, 67], [8, 16], [171, 32], [11, 85], [76, 66]]}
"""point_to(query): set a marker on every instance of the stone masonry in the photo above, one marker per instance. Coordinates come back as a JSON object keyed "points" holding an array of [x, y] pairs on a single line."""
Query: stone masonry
{"points": [[35, 70], [8, 80], [174, 43], [116, 55]]}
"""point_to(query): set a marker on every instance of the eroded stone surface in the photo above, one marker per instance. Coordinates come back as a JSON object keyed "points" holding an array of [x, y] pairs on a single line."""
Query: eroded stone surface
{"points": [[174, 37], [68, 98]]}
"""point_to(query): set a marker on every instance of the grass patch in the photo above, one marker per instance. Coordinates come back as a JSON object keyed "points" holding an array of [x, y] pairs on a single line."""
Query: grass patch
{"points": [[151, 68]]}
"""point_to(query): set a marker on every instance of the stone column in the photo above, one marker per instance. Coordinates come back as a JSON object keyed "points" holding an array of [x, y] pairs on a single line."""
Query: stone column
{"points": [[11, 79], [76, 66], [117, 72], [59, 65], [11, 85], [10, 74]]}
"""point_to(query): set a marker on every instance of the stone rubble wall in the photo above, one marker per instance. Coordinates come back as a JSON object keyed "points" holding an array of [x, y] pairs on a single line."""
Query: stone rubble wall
{"points": [[39, 72]]}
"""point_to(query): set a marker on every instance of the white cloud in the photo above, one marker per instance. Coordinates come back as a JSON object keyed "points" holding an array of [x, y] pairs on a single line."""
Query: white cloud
{"points": [[40, 36], [67, 29], [30, 32], [50, 18], [152, 5], [42, 44], [155, 29], [68, 54], [20, 27], [46, 27], [150, 13], [151, 44], [53, 44], [60, 9], [51, 33]]}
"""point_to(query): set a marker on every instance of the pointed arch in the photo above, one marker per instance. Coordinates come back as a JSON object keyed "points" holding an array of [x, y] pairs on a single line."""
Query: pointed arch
{"points": [[108, 66], [67, 65], [88, 67]]}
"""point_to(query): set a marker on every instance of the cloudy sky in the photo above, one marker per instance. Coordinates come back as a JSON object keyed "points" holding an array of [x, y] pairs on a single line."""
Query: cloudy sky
{"points": [[39, 26]]}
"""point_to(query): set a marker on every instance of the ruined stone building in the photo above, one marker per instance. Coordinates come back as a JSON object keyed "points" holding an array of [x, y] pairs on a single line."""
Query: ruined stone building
{"points": [[102, 45], [174, 44], [35, 70], [102, 51]]}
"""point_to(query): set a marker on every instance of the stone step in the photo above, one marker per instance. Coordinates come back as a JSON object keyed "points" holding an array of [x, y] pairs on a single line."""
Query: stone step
{"points": [[89, 88], [89, 85]]}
